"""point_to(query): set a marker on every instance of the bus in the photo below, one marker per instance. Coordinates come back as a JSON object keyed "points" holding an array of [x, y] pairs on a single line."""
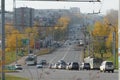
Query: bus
{"points": [[94, 62], [31, 60]]}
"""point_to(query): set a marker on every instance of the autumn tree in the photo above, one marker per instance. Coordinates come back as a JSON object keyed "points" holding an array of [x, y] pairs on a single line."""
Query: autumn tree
{"points": [[61, 28], [11, 35], [31, 34], [106, 28], [111, 19]]}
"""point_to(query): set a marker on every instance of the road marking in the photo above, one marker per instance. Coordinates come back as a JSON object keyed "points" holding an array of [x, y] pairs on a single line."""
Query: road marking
{"points": [[62, 57], [66, 53], [52, 59]]}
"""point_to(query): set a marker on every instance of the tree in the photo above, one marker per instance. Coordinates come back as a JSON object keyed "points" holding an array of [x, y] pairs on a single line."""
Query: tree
{"points": [[106, 28], [11, 35], [61, 28]]}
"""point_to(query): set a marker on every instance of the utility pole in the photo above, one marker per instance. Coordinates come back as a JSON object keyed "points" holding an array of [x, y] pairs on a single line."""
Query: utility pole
{"points": [[34, 45], [114, 44], [114, 47], [89, 44], [28, 43], [16, 49], [3, 39]]}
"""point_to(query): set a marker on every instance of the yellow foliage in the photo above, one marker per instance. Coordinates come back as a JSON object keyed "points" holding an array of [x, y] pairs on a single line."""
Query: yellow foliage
{"points": [[11, 35], [100, 29], [32, 43], [62, 22]]}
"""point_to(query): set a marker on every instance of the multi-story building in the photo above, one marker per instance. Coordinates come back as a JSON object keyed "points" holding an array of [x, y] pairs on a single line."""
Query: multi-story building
{"points": [[23, 17], [75, 10], [49, 17], [8, 19]]}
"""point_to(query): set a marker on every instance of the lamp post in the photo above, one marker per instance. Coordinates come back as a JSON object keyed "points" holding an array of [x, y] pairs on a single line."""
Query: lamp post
{"points": [[114, 43], [114, 47]]}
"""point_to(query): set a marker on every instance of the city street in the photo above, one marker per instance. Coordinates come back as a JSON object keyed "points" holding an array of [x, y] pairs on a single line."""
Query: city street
{"points": [[69, 55]]}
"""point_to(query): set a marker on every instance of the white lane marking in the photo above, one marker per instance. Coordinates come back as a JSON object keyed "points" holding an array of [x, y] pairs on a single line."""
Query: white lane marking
{"points": [[62, 57], [52, 59], [66, 53]]}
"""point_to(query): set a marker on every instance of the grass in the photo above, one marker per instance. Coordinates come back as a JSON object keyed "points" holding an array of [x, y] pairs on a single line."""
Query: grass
{"points": [[11, 56], [8, 77], [44, 51]]}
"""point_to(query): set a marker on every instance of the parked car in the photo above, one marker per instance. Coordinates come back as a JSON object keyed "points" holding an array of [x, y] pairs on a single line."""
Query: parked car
{"points": [[18, 67], [39, 65], [107, 66], [85, 66], [74, 66]]}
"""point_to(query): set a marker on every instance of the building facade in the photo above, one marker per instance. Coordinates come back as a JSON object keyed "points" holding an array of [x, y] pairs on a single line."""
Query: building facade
{"points": [[23, 17]]}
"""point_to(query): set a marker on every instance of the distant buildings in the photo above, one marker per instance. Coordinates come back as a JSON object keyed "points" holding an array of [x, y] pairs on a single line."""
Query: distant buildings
{"points": [[8, 19], [23, 17], [49, 17], [75, 10], [27, 17]]}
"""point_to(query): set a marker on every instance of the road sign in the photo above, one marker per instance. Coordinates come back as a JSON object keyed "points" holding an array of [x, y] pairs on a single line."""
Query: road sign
{"points": [[25, 41]]}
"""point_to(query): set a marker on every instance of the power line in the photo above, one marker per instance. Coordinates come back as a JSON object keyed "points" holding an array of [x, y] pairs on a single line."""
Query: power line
{"points": [[66, 0]]}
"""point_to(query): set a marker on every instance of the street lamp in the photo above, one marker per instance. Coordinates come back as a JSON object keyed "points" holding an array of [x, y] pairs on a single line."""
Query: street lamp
{"points": [[114, 43]]}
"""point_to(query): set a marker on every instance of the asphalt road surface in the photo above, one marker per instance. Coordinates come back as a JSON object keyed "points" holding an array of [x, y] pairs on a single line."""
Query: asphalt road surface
{"points": [[69, 55]]}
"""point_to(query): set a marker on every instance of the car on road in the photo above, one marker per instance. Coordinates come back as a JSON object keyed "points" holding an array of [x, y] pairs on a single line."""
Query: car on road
{"points": [[107, 66], [61, 62], [67, 66], [74, 66], [18, 67], [39, 65], [85, 66], [43, 62], [50, 66], [62, 66], [55, 66]]}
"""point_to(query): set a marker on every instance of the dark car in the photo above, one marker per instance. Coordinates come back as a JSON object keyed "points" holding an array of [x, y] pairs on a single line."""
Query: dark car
{"points": [[74, 66], [85, 66], [43, 62]]}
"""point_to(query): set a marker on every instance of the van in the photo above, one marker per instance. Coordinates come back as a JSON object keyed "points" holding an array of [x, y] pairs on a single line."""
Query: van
{"points": [[107, 66]]}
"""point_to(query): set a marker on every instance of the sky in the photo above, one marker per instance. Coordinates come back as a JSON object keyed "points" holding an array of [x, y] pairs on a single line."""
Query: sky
{"points": [[85, 7]]}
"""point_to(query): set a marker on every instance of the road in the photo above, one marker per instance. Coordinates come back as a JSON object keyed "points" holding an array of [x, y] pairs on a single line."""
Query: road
{"points": [[69, 55]]}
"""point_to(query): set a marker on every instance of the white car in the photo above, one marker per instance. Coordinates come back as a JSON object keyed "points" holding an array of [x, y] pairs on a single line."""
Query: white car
{"points": [[67, 66], [18, 67], [62, 66], [55, 66], [39, 65], [107, 66]]}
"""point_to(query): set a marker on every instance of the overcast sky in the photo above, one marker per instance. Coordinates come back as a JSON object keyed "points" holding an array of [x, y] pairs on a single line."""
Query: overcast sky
{"points": [[85, 7]]}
